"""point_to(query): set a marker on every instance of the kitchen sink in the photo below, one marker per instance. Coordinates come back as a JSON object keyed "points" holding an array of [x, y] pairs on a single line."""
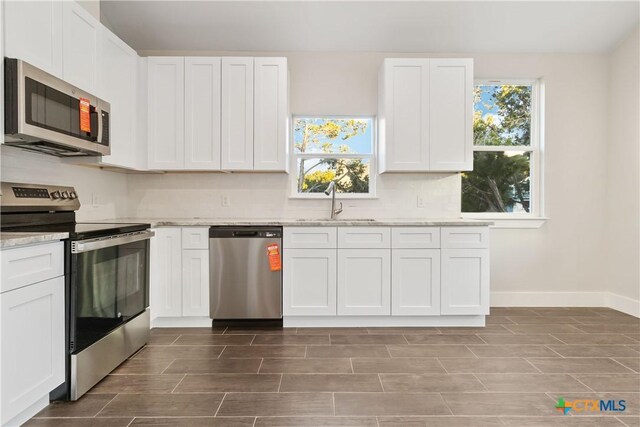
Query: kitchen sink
{"points": [[338, 220]]}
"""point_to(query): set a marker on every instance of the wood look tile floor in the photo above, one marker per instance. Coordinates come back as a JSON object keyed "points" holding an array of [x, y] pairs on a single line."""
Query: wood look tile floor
{"points": [[509, 373]]}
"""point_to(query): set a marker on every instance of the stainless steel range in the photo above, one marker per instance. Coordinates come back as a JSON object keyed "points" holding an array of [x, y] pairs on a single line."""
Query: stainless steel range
{"points": [[106, 281]]}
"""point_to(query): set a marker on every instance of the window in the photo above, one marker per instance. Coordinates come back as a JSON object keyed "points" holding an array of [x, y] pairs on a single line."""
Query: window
{"points": [[505, 181], [336, 149]]}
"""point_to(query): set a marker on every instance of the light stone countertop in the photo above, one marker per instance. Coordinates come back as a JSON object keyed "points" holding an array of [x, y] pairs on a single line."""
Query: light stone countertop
{"points": [[11, 239], [179, 222]]}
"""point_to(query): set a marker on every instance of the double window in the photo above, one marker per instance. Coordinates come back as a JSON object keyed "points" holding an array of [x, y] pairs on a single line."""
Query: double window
{"points": [[505, 181], [339, 149]]}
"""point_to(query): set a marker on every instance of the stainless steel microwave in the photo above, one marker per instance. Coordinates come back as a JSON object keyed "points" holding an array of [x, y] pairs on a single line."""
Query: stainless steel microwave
{"points": [[46, 114]]}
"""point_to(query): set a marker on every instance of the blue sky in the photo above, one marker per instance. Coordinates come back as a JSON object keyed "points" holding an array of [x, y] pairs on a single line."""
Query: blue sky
{"points": [[485, 98]]}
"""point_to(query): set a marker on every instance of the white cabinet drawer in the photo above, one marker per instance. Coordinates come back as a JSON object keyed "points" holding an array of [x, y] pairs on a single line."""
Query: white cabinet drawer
{"points": [[309, 237], [465, 237], [415, 237], [195, 238], [364, 237], [31, 264]]}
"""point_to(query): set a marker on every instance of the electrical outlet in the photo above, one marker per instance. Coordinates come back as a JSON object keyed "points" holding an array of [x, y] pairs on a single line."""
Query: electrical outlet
{"points": [[420, 201], [225, 201]]}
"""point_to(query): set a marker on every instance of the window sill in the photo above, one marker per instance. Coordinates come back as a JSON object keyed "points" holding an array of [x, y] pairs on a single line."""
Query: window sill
{"points": [[514, 222], [323, 197]]}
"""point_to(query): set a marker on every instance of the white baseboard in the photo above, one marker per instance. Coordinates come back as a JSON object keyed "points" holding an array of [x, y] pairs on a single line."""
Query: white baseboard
{"points": [[181, 322], [380, 321], [566, 299], [28, 413], [547, 299], [624, 304]]}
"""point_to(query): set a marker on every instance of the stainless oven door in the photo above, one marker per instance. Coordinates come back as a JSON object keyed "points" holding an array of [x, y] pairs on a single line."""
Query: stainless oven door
{"points": [[109, 285]]}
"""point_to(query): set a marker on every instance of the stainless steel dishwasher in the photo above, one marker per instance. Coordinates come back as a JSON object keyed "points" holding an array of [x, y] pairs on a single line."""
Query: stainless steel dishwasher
{"points": [[245, 283]]}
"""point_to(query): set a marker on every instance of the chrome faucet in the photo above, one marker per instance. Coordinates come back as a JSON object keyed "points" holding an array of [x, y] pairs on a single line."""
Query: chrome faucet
{"points": [[331, 190]]}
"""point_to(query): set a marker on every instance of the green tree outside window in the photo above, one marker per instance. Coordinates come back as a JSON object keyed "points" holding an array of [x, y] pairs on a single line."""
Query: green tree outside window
{"points": [[500, 180]]}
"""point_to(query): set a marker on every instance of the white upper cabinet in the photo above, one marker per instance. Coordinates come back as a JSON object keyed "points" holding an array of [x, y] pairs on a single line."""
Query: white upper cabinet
{"points": [[211, 113], [237, 113], [271, 114], [202, 104], [79, 46], [117, 84], [451, 110], [33, 32], [426, 115], [404, 115], [166, 113]]}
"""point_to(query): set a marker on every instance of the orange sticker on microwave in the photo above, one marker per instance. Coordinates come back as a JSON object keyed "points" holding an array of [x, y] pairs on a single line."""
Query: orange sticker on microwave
{"points": [[85, 117], [273, 252]]}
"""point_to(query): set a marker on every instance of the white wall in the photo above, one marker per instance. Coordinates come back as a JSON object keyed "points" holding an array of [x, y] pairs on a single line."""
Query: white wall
{"points": [[623, 172], [266, 195], [92, 6], [563, 255], [107, 189]]}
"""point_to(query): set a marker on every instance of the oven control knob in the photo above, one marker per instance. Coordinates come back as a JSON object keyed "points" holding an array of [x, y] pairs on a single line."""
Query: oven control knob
{"points": [[65, 195], [73, 195], [55, 195]]}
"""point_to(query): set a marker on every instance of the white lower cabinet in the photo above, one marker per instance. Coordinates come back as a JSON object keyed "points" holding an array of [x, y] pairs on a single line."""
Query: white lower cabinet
{"points": [[309, 282], [165, 287], [195, 282], [32, 323], [465, 282], [364, 281], [179, 279], [414, 274], [415, 282], [377, 272]]}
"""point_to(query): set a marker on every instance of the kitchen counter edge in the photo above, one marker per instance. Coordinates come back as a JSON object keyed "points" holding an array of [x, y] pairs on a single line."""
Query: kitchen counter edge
{"points": [[207, 222], [13, 239]]}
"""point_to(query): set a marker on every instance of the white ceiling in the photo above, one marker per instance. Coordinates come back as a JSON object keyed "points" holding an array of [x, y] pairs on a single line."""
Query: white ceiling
{"points": [[371, 26]]}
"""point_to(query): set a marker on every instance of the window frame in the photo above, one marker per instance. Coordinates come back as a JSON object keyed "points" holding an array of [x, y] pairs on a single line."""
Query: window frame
{"points": [[536, 165], [373, 159]]}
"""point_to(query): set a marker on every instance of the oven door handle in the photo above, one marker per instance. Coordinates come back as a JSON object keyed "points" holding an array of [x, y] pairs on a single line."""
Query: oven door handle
{"points": [[107, 242]]}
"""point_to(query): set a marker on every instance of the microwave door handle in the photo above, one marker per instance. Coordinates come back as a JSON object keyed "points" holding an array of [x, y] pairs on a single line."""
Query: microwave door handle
{"points": [[81, 246], [99, 138]]}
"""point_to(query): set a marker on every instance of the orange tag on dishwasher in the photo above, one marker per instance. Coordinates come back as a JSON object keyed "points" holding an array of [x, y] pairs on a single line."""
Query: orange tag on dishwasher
{"points": [[273, 252], [85, 119]]}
